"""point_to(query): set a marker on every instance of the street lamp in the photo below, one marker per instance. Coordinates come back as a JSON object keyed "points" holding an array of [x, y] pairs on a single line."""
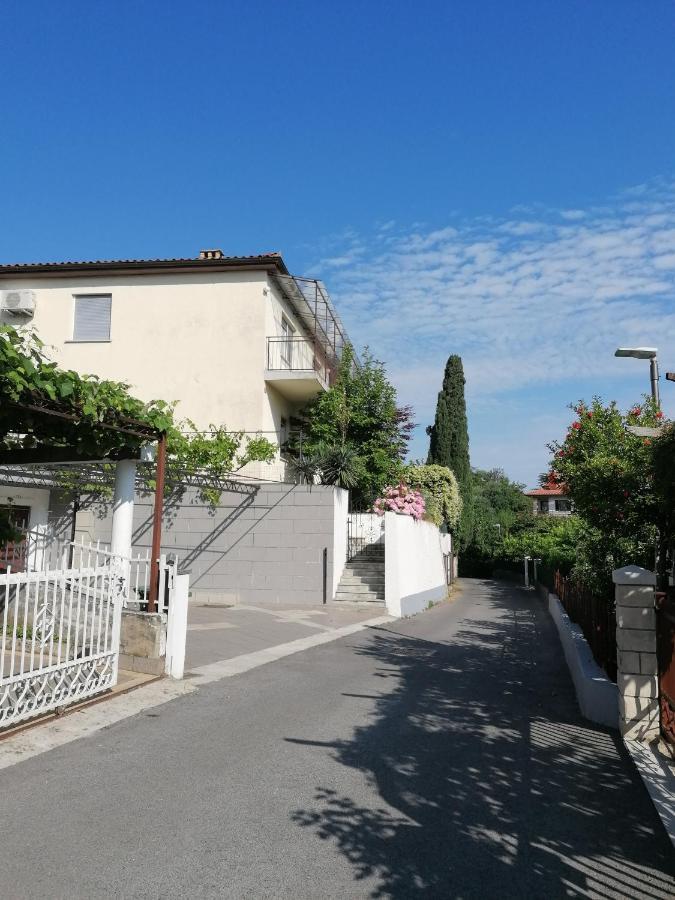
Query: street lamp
{"points": [[650, 354]]}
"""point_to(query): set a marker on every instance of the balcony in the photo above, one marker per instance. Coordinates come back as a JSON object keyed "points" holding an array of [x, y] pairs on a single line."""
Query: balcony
{"points": [[296, 368]]}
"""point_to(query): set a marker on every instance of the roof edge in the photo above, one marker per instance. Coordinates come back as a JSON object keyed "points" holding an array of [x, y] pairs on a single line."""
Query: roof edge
{"points": [[272, 262]]}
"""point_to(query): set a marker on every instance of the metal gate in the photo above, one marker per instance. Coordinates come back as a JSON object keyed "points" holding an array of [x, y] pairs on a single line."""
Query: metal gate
{"points": [[365, 536], [60, 634], [665, 648]]}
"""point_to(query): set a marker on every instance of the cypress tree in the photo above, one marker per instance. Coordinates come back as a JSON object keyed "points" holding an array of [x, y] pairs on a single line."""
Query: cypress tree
{"points": [[449, 440]]}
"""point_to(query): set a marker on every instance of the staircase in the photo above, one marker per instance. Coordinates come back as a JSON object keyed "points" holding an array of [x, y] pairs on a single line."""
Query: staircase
{"points": [[363, 577]]}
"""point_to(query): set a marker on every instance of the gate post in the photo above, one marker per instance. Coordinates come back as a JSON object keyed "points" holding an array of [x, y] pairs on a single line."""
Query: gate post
{"points": [[176, 633], [637, 673]]}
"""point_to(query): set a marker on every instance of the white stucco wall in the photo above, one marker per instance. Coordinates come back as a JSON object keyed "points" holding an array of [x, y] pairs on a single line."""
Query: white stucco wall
{"points": [[198, 339], [598, 697], [413, 562], [340, 512]]}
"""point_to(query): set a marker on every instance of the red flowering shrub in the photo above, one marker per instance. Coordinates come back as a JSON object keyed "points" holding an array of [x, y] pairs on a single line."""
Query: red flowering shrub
{"points": [[608, 472]]}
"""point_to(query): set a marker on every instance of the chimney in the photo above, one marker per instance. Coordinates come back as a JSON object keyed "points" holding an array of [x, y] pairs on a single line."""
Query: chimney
{"points": [[211, 254]]}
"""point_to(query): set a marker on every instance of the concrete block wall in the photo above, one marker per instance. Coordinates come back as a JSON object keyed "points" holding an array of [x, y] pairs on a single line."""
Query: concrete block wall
{"points": [[637, 672], [262, 544]]}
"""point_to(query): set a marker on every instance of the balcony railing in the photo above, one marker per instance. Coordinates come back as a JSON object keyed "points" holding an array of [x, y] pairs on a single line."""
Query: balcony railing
{"points": [[295, 354]]}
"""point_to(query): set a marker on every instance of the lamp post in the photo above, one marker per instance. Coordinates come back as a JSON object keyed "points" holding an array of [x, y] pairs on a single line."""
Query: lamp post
{"points": [[650, 354]]}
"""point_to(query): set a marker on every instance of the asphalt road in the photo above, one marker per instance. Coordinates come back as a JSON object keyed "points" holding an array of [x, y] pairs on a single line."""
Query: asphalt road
{"points": [[442, 756]]}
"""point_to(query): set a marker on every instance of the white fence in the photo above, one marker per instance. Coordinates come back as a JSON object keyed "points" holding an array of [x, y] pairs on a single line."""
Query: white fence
{"points": [[60, 635], [40, 551], [60, 623]]}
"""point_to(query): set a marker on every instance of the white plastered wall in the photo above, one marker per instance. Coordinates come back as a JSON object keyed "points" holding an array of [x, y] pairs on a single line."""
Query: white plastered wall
{"points": [[198, 339], [414, 570], [275, 407], [340, 513]]}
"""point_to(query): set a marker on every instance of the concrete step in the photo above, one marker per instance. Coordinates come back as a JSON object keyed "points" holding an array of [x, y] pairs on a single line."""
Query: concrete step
{"points": [[367, 597], [349, 578], [356, 589], [377, 557], [364, 567]]}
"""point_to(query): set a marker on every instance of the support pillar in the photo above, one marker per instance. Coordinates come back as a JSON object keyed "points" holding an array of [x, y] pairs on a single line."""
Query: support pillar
{"points": [[123, 507], [637, 672]]}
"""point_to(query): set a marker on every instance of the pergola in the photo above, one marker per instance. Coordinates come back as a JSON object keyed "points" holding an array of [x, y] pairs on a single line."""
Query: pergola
{"points": [[41, 460]]}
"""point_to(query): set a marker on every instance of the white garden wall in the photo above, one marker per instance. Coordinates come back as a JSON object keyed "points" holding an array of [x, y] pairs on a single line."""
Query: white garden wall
{"points": [[340, 513], [414, 570]]}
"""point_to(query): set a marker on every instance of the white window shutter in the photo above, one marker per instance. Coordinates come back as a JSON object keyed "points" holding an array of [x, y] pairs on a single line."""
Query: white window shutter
{"points": [[92, 318]]}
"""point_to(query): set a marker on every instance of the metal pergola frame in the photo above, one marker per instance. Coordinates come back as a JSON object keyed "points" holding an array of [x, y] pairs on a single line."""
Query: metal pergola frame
{"points": [[315, 311]]}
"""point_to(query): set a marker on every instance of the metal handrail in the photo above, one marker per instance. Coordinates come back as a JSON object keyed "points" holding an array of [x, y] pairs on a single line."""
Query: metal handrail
{"points": [[295, 354]]}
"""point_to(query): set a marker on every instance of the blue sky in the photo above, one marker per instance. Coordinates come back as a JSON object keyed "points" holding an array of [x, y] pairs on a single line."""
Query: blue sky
{"points": [[487, 178]]}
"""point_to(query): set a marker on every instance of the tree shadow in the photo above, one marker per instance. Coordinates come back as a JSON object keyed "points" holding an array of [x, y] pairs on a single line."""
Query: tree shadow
{"points": [[489, 782]]}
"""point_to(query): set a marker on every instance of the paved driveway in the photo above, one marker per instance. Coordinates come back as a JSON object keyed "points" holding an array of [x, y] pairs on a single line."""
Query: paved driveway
{"points": [[221, 632], [442, 756]]}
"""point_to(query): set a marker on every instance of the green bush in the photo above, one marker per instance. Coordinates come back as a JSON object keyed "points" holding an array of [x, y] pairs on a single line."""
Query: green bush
{"points": [[440, 490]]}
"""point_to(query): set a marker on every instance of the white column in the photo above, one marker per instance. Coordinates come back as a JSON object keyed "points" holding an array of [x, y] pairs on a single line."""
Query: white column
{"points": [[122, 530], [123, 507]]}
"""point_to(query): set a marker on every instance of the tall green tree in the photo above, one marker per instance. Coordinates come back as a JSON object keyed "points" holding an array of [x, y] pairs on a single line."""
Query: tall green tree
{"points": [[449, 440], [500, 510], [355, 434]]}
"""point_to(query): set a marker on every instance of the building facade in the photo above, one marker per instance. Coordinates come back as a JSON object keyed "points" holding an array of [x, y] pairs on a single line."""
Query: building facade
{"points": [[235, 342], [550, 500]]}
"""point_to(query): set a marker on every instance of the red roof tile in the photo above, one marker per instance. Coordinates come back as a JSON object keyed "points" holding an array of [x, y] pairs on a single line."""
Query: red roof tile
{"points": [[557, 491]]}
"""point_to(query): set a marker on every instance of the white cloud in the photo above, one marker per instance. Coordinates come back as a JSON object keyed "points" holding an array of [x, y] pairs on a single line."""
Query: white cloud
{"points": [[573, 214], [526, 301]]}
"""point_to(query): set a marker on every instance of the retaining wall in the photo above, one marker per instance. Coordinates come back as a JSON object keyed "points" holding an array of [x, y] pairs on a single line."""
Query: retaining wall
{"points": [[598, 697], [262, 544], [414, 569]]}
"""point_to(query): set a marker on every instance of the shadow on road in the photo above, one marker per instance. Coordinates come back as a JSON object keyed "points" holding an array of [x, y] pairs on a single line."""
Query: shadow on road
{"points": [[490, 783]]}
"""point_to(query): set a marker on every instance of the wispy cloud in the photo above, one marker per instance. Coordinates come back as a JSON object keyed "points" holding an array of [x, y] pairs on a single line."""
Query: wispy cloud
{"points": [[536, 300]]}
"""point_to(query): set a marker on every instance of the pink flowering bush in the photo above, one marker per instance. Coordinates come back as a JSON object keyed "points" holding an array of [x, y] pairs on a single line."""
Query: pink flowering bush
{"points": [[401, 500]]}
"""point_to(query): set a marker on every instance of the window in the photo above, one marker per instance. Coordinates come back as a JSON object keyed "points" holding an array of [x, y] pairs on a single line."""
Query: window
{"points": [[543, 505], [287, 331], [19, 516], [91, 320], [562, 505]]}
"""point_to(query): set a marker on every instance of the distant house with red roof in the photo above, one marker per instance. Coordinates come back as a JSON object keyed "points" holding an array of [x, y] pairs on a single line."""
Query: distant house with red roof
{"points": [[550, 499]]}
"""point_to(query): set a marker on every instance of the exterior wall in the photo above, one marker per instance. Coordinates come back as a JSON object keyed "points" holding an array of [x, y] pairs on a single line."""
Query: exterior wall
{"points": [[341, 511], [198, 339], [413, 563], [551, 511], [36, 498], [275, 406], [262, 545]]}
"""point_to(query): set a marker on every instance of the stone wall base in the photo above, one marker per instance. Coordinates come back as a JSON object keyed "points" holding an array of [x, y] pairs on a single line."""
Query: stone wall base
{"points": [[142, 664], [143, 642]]}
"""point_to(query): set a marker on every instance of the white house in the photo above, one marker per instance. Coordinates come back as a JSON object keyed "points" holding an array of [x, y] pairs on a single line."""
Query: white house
{"points": [[236, 341], [550, 500]]}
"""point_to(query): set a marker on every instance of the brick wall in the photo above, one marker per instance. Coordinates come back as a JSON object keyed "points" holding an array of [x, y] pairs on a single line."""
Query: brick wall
{"points": [[263, 544]]}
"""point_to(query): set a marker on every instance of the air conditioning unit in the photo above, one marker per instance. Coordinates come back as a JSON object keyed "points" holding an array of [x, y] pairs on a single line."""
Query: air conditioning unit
{"points": [[19, 303]]}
